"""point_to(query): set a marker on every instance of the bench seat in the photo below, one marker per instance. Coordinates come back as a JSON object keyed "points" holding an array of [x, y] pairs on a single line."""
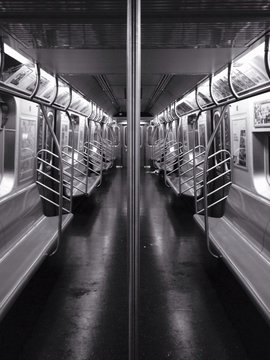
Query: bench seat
{"points": [[173, 181], [106, 165], [186, 188], [25, 241], [244, 254], [79, 186]]}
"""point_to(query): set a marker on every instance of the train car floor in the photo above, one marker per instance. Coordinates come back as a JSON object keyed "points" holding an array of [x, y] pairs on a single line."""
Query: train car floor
{"points": [[192, 307], [76, 306]]}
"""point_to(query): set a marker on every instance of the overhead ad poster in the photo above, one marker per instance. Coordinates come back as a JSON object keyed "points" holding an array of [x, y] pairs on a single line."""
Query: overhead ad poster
{"points": [[22, 77], [239, 142], [262, 114]]}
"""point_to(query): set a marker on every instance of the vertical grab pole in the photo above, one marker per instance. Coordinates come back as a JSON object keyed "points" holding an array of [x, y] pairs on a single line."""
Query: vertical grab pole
{"points": [[179, 137], [194, 159], [133, 168], [87, 154], [101, 154]]}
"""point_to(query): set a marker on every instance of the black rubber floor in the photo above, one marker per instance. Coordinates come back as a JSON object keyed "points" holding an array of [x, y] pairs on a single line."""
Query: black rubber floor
{"points": [[75, 307]]}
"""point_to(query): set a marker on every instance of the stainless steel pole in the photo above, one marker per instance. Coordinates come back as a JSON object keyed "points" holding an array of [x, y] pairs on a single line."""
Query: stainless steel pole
{"points": [[133, 166]]}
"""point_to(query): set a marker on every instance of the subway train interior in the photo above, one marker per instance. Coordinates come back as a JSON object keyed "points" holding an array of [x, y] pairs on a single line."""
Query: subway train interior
{"points": [[135, 180]]}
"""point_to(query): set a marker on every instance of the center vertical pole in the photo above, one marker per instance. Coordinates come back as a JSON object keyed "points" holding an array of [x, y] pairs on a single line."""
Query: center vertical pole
{"points": [[133, 165]]}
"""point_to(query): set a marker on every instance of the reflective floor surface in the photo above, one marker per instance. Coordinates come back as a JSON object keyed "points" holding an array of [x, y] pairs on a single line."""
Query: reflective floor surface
{"points": [[191, 306]]}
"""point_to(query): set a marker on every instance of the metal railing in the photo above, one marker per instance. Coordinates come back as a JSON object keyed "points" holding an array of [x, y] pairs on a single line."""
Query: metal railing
{"points": [[191, 170], [106, 148], [94, 158], [171, 161], [221, 171], [83, 163], [43, 168], [159, 150], [157, 147]]}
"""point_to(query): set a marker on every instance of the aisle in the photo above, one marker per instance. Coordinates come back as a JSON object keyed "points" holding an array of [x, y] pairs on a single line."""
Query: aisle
{"points": [[192, 308], [75, 308]]}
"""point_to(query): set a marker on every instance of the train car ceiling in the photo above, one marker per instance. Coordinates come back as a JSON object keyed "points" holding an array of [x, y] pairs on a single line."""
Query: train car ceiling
{"points": [[85, 42]]}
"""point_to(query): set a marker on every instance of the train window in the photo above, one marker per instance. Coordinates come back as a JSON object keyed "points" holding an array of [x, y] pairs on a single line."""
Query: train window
{"points": [[125, 136], [184, 128], [7, 155], [81, 133], [64, 131], [7, 145], [150, 133], [74, 141], [97, 132], [141, 136], [191, 123], [202, 130], [268, 161], [44, 136], [27, 148], [117, 135], [222, 138], [261, 163]]}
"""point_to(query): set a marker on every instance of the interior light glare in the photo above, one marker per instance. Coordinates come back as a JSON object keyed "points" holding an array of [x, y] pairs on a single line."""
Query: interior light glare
{"points": [[15, 55]]}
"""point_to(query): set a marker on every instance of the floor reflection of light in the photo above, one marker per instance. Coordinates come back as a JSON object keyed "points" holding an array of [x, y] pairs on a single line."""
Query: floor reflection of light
{"points": [[86, 317], [162, 235]]}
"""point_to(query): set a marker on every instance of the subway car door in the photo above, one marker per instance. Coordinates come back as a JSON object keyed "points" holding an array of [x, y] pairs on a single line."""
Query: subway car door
{"points": [[142, 145], [117, 144], [124, 147]]}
